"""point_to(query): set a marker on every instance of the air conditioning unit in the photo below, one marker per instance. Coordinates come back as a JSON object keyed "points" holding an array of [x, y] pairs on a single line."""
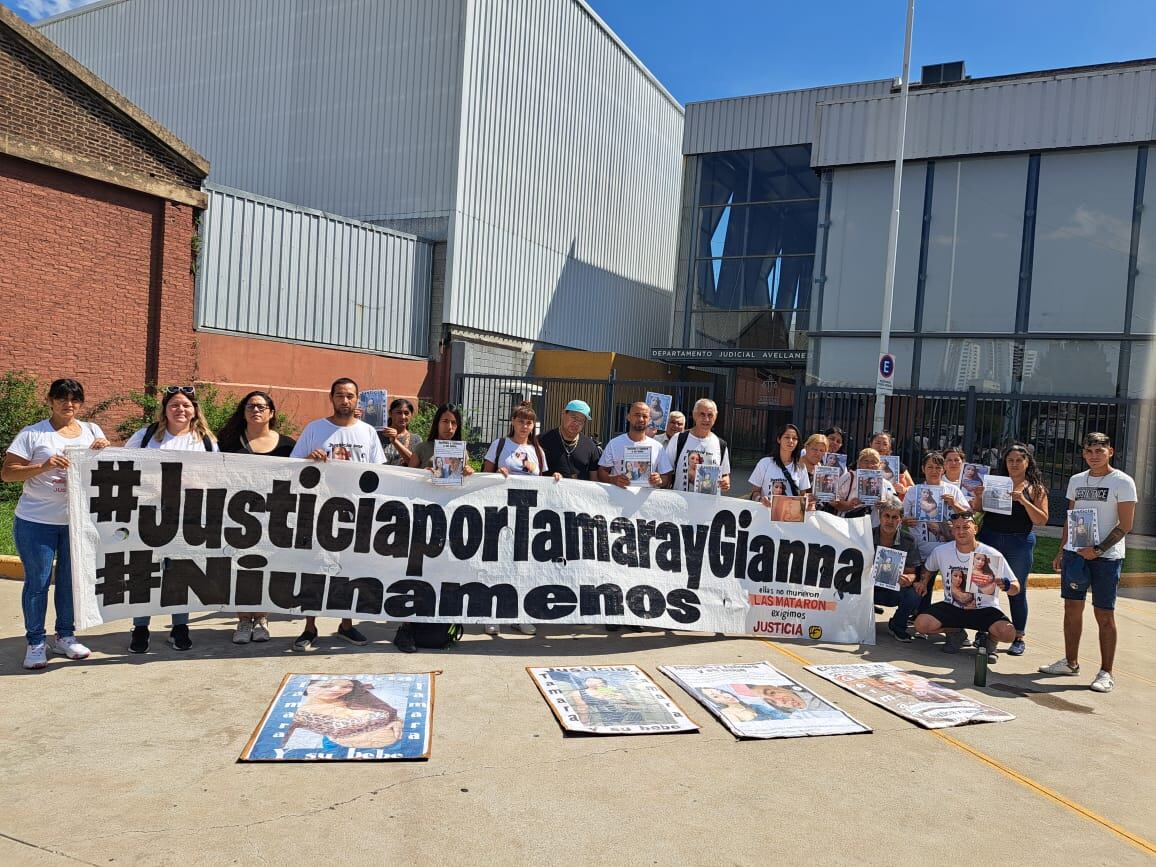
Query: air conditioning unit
{"points": [[943, 73]]}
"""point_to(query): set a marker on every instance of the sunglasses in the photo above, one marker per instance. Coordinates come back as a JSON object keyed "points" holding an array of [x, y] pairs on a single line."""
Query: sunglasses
{"points": [[181, 389]]}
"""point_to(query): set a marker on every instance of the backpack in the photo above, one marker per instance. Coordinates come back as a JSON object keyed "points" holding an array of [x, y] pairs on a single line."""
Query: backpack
{"points": [[435, 636], [502, 445], [151, 431], [683, 436]]}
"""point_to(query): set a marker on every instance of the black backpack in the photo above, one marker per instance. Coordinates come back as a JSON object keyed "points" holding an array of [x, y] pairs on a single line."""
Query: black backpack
{"points": [[434, 636], [151, 431], [683, 436]]}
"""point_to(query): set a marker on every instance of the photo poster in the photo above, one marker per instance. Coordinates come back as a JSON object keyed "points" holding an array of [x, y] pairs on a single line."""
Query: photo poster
{"points": [[373, 404], [706, 478], [997, 495], [609, 700], [984, 574], [636, 461], [826, 484], [659, 405], [449, 462], [836, 459], [792, 510], [888, 567], [346, 717], [756, 700], [1083, 530], [910, 696], [972, 477], [869, 486], [891, 468], [929, 504]]}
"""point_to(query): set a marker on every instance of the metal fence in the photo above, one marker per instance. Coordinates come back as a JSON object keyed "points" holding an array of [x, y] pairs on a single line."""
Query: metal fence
{"points": [[488, 401], [982, 423]]}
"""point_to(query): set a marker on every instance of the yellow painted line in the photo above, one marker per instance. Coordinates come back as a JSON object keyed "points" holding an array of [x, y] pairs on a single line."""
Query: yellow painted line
{"points": [[1134, 839], [1028, 782]]}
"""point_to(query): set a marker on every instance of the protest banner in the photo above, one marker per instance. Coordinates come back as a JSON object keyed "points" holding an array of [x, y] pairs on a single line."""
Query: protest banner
{"points": [[346, 717], [609, 700], [157, 532], [756, 700], [910, 696]]}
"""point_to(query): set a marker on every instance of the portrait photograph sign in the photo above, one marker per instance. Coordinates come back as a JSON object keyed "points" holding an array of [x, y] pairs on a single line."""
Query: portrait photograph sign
{"points": [[609, 700], [659, 405]]}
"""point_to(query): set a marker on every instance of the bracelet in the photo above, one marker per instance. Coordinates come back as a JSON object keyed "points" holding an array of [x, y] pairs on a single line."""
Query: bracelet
{"points": [[1006, 585]]}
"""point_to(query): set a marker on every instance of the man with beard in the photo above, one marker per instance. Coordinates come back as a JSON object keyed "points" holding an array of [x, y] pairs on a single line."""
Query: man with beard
{"points": [[612, 466], [568, 450]]}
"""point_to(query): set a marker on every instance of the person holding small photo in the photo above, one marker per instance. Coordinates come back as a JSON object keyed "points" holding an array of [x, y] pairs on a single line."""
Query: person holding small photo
{"points": [[784, 466], [905, 599]]}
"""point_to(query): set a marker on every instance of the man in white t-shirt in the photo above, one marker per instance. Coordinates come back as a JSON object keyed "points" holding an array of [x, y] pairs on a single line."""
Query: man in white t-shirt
{"points": [[612, 466], [340, 437], [699, 445], [959, 609], [1112, 494]]}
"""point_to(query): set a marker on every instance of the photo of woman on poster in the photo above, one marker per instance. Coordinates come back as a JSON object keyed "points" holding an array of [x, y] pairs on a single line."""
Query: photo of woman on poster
{"points": [[957, 589], [599, 703], [735, 709], [342, 713]]}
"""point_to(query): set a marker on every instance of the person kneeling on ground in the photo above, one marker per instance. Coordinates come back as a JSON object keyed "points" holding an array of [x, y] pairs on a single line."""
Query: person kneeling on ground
{"points": [[958, 610], [905, 599]]}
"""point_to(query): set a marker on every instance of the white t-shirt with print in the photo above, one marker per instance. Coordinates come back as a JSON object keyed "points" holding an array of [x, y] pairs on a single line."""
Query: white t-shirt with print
{"points": [[614, 455], [44, 499], [767, 472], [941, 532], [357, 442], [186, 442], [710, 447], [945, 556], [1103, 493], [522, 460]]}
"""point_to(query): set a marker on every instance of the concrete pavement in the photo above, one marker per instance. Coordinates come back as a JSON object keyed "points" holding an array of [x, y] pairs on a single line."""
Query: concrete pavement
{"points": [[132, 760]]}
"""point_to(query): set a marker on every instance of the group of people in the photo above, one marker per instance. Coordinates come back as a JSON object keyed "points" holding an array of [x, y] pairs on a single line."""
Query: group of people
{"points": [[933, 543]]}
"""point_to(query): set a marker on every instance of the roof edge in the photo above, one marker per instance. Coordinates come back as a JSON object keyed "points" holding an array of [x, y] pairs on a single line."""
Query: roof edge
{"points": [[792, 90]]}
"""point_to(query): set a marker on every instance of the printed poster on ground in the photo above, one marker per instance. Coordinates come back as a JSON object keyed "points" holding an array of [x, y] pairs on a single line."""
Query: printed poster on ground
{"points": [[755, 700], [609, 700]]}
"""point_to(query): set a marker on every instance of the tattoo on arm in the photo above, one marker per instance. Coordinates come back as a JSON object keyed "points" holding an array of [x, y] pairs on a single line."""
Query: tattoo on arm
{"points": [[1112, 538]]}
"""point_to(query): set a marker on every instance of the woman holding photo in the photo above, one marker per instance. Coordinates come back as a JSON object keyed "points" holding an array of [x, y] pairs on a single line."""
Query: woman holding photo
{"points": [[784, 465], [397, 441], [881, 442], [36, 460], [814, 450], [953, 461], [847, 501], [835, 439], [1014, 535]]}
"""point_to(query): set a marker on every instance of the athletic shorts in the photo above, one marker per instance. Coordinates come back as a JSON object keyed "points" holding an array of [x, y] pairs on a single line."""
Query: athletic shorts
{"points": [[1101, 575], [953, 617]]}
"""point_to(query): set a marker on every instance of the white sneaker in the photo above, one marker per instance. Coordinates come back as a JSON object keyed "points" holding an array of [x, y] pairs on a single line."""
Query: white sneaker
{"points": [[69, 646], [260, 630], [36, 657], [243, 634], [526, 628], [491, 629], [1103, 682], [1060, 666]]}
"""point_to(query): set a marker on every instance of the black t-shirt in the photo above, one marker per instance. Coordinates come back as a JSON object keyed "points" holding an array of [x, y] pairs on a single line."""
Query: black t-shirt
{"points": [[240, 446], [577, 464]]}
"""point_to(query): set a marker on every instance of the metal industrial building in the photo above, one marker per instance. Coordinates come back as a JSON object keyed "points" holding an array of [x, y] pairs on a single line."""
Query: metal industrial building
{"points": [[523, 144]]}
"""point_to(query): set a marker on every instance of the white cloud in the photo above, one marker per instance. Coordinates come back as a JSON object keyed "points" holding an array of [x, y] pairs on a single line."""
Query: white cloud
{"points": [[34, 10]]}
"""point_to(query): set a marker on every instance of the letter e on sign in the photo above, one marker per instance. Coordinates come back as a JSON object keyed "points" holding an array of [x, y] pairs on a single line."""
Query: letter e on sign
{"points": [[885, 384]]}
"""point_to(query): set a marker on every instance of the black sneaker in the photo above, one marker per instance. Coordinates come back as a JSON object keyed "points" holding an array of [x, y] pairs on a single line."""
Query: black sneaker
{"points": [[352, 635], [139, 642], [955, 642], [403, 641], [179, 638], [305, 642], [899, 634]]}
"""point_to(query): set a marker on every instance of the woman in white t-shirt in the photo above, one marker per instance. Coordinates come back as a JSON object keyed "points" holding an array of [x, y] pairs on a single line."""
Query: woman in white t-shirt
{"points": [[182, 428], [783, 466], [36, 458]]}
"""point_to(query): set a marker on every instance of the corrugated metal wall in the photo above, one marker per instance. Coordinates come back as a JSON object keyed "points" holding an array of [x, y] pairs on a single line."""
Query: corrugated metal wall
{"points": [[350, 106], [1062, 111], [569, 183], [274, 270], [766, 119]]}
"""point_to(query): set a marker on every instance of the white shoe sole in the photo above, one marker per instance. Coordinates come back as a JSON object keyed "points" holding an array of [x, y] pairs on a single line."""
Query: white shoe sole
{"points": [[66, 654]]}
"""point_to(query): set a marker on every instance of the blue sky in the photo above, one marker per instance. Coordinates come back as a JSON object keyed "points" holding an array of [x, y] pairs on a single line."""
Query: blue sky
{"points": [[708, 49]]}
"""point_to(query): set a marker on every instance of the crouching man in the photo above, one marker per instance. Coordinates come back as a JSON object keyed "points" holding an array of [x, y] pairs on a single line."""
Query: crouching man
{"points": [[971, 588]]}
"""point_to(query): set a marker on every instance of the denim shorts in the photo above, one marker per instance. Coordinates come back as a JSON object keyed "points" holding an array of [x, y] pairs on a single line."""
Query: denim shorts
{"points": [[1078, 574]]}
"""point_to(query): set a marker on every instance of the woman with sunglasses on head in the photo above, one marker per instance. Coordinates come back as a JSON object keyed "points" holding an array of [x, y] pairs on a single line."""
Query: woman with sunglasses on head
{"points": [[37, 459], [252, 430], [1014, 535], [182, 428], [398, 441]]}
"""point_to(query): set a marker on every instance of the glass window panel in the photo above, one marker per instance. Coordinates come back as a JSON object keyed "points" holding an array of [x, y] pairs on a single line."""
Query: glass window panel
{"points": [[755, 329], [857, 248], [960, 364], [973, 255], [1142, 371], [1083, 233], [719, 283], [783, 228], [1075, 367], [852, 361], [722, 231], [782, 282], [783, 173], [1144, 301], [725, 178]]}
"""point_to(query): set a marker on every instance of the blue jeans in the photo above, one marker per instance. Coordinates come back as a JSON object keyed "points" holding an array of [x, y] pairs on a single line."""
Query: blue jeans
{"points": [[905, 600], [37, 544], [1101, 576], [178, 620], [1018, 550]]}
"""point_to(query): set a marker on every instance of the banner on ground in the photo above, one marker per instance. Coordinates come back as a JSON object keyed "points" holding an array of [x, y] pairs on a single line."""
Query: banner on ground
{"points": [[346, 717], [156, 532], [756, 700], [609, 700], [909, 695]]}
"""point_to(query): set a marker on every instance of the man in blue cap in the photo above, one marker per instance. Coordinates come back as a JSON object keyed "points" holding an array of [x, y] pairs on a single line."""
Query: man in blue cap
{"points": [[568, 450]]}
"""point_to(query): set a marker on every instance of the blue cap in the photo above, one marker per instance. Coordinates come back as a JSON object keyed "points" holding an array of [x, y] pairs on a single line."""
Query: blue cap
{"points": [[579, 406]]}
